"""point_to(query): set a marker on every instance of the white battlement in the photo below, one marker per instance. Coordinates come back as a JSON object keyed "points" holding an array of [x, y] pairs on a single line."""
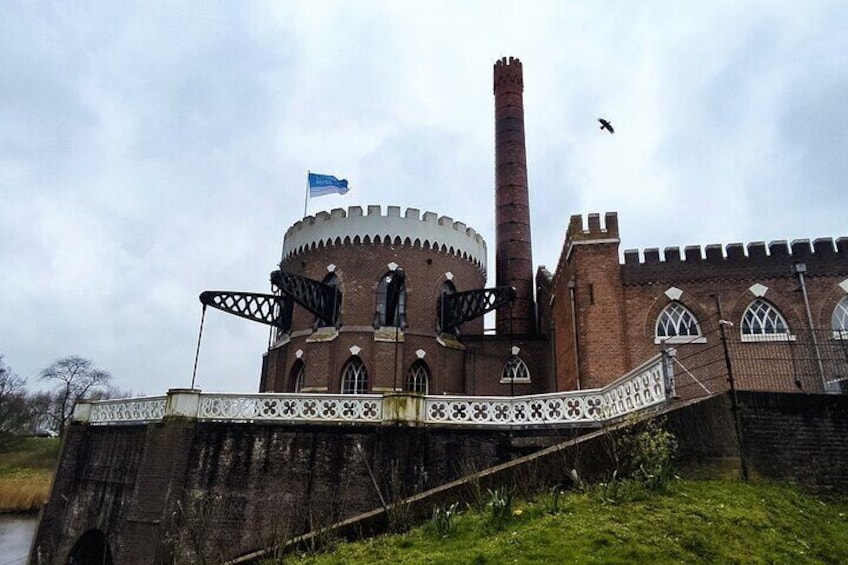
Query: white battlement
{"points": [[429, 231]]}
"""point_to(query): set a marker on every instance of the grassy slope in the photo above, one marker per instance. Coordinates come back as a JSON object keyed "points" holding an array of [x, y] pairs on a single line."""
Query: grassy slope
{"points": [[26, 469], [695, 522]]}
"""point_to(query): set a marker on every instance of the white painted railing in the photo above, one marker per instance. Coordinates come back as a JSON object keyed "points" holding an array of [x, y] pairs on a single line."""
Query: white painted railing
{"points": [[641, 388], [292, 407], [128, 410]]}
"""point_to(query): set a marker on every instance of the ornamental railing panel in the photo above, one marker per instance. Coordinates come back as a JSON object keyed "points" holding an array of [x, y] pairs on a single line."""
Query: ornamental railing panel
{"points": [[128, 410], [641, 388], [365, 408]]}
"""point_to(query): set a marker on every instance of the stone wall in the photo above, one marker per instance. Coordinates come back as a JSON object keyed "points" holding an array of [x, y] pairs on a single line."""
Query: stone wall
{"points": [[188, 490]]}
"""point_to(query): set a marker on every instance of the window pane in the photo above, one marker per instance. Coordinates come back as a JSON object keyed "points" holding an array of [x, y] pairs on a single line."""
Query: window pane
{"points": [[418, 378], [761, 318], [354, 377], [676, 320], [516, 370]]}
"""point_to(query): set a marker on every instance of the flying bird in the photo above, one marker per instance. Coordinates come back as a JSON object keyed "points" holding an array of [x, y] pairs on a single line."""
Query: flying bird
{"points": [[606, 125]]}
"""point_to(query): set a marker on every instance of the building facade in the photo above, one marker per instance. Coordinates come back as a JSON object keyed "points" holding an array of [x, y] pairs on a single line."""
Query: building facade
{"points": [[592, 319]]}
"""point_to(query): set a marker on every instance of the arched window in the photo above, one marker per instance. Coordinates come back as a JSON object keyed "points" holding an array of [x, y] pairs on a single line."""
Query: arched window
{"points": [[840, 319], [762, 322], [354, 377], [515, 371], [677, 324], [296, 376], [330, 280], [448, 288], [418, 378], [391, 300]]}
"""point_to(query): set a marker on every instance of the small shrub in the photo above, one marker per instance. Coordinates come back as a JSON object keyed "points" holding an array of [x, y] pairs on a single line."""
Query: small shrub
{"points": [[442, 523], [500, 505], [649, 454]]}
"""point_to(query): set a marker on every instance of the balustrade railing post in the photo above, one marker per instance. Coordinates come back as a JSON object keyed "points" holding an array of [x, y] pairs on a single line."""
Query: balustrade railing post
{"points": [[668, 371], [82, 411], [182, 403], [403, 408]]}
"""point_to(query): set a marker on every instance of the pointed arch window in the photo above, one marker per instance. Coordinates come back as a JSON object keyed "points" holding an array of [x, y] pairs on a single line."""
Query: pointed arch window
{"points": [[515, 371], [418, 378], [354, 377], [763, 322], [330, 280], [677, 324], [391, 300], [297, 376], [840, 319]]}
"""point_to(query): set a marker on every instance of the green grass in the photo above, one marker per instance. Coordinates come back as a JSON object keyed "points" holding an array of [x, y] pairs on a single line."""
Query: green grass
{"points": [[694, 522], [32, 453], [26, 469]]}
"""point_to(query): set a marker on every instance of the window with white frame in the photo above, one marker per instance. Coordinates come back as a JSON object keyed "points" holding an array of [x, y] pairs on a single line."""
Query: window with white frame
{"points": [[391, 300], [840, 319], [763, 322], [354, 377], [677, 324], [298, 373], [418, 378], [515, 371]]}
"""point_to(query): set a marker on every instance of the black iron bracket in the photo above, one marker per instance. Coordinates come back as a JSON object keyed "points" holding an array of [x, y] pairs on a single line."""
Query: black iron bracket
{"points": [[270, 309], [323, 300], [454, 309]]}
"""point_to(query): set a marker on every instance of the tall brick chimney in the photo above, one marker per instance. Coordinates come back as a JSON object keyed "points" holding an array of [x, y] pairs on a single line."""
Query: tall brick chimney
{"points": [[513, 254]]}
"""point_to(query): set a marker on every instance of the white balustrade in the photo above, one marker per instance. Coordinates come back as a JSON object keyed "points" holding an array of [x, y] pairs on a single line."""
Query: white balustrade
{"points": [[641, 388], [292, 407], [127, 410]]}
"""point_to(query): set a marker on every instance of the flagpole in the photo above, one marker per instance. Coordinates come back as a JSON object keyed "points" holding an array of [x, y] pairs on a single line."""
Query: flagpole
{"points": [[306, 199]]}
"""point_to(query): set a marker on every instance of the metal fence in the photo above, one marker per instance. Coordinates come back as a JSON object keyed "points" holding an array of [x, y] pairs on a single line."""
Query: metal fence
{"points": [[813, 361]]}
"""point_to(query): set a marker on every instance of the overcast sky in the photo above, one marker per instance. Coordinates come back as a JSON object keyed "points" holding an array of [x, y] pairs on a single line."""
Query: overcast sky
{"points": [[151, 151]]}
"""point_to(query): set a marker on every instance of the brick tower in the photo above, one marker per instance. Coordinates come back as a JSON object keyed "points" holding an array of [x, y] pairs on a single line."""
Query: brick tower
{"points": [[513, 252]]}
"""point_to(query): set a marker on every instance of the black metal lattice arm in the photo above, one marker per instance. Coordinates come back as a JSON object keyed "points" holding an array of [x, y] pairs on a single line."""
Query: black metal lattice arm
{"points": [[459, 307], [321, 299], [267, 309]]}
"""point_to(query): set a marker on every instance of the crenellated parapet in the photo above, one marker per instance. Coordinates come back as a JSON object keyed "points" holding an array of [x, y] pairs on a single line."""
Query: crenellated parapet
{"points": [[735, 260], [508, 73], [592, 233], [354, 226]]}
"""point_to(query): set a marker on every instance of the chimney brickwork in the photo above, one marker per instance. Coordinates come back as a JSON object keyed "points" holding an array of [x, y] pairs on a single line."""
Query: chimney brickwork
{"points": [[514, 254]]}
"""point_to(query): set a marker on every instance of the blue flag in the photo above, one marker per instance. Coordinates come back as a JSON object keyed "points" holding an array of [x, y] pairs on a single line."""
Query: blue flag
{"points": [[319, 185]]}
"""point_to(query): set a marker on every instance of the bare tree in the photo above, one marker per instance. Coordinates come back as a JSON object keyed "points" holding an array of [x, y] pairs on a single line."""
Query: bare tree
{"points": [[76, 379], [14, 413]]}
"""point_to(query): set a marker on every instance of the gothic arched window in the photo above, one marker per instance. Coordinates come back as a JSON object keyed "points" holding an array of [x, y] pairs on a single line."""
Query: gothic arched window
{"points": [[418, 378], [296, 376], [677, 324], [763, 322], [330, 280], [391, 300], [515, 371], [354, 377], [448, 288], [840, 319]]}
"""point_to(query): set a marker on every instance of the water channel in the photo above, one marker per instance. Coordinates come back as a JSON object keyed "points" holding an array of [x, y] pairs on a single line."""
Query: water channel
{"points": [[16, 534]]}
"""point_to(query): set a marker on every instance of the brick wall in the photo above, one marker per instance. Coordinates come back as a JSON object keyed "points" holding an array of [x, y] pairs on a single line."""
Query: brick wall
{"points": [[359, 268], [797, 438], [617, 305]]}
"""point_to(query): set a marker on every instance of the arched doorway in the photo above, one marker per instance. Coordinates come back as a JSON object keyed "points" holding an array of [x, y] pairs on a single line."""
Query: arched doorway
{"points": [[92, 548]]}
